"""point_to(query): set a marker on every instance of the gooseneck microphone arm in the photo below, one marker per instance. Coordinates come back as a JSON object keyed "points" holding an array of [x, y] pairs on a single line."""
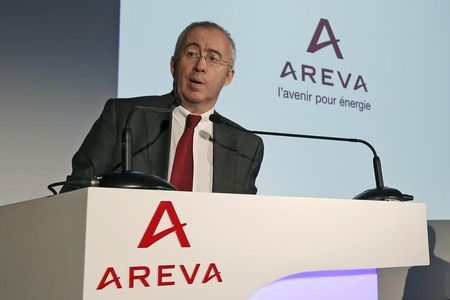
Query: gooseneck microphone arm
{"points": [[127, 178], [376, 159], [379, 193], [127, 134]]}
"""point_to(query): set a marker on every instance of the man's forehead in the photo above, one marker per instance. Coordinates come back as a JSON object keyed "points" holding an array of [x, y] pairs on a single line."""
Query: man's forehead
{"points": [[211, 37]]}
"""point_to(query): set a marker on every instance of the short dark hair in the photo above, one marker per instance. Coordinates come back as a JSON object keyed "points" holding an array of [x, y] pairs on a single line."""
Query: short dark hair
{"points": [[205, 24]]}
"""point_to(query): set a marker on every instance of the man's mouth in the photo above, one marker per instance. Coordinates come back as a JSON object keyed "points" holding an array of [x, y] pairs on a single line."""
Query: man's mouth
{"points": [[196, 82]]}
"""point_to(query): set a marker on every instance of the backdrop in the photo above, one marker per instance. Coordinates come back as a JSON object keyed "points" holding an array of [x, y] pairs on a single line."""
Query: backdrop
{"points": [[381, 75], [375, 71]]}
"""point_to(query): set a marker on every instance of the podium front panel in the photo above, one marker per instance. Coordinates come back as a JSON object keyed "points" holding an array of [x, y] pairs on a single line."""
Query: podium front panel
{"points": [[172, 245]]}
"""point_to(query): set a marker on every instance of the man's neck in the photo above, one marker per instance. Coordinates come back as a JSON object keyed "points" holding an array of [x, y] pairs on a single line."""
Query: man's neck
{"points": [[196, 109]]}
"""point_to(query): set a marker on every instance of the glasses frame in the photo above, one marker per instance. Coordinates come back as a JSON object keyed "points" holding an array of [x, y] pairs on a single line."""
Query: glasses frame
{"points": [[210, 60]]}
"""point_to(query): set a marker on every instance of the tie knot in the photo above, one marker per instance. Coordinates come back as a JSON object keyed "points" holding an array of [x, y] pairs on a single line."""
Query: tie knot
{"points": [[192, 121]]}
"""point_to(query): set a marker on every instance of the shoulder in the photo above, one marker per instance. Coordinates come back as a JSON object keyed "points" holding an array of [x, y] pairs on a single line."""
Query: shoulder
{"points": [[162, 101], [234, 128]]}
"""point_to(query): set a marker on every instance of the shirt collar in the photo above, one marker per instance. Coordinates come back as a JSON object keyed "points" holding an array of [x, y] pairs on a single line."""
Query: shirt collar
{"points": [[180, 114]]}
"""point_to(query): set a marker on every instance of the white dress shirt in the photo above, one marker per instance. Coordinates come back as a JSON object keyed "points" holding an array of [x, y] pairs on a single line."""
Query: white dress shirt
{"points": [[202, 150]]}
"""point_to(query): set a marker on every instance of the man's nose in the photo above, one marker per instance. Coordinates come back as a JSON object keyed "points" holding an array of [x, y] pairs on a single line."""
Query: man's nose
{"points": [[201, 65]]}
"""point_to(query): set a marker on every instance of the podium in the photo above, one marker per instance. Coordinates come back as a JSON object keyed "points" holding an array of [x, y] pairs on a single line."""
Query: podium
{"points": [[101, 243]]}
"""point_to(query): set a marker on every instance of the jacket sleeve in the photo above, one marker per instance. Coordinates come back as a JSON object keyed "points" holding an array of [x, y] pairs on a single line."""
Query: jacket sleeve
{"points": [[96, 153]]}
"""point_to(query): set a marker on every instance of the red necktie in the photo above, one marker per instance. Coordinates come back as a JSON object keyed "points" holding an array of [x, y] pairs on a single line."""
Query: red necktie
{"points": [[183, 163]]}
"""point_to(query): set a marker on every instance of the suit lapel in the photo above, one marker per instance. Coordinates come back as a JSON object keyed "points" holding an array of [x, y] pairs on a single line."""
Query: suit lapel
{"points": [[158, 133], [224, 159]]}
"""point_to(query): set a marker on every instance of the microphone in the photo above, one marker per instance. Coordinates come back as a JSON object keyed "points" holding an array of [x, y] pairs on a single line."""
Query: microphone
{"points": [[127, 178], [205, 135], [381, 192]]}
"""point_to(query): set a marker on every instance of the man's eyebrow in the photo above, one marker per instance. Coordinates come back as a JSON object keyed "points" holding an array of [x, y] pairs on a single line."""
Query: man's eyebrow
{"points": [[216, 52], [207, 50], [191, 45]]}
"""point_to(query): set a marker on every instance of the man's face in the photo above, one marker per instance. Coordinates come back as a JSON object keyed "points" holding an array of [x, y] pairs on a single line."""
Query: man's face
{"points": [[199, 80]]}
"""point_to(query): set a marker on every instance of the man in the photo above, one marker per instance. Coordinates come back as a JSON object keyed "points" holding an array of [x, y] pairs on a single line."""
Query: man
{"points": [[223, 158]]}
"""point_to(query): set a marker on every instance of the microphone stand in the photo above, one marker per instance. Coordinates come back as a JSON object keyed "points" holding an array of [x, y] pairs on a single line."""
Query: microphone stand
{"points": [[381, 192], [127, 178]]}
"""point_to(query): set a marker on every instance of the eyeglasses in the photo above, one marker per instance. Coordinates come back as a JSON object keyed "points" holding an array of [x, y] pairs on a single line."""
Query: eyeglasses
{"points": [[212, 59]]}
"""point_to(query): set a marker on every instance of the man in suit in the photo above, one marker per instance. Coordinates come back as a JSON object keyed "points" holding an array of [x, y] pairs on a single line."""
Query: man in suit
{"points": [[224, 158]]}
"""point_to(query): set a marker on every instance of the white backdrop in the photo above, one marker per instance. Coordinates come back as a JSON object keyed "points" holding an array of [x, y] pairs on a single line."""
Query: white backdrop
{"points": [[400, 50]]}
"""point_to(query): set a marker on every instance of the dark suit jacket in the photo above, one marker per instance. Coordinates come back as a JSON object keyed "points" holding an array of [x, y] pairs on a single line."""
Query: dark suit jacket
{"points": [[237, 155]]}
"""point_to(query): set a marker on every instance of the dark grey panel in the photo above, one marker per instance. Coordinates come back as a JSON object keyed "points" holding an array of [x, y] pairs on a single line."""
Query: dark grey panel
{"points": [[58, 65]]}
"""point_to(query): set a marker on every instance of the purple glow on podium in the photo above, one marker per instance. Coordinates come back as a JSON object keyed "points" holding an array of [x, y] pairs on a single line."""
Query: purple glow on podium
{"points": [[321, 285]]}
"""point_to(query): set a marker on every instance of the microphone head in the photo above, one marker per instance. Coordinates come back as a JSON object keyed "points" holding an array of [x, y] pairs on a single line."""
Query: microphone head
{"points": [[216, 119], [176, 99]]}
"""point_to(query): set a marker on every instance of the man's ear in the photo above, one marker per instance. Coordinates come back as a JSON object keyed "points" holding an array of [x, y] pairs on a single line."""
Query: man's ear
{"points": [[229, 76], [173, 65]]}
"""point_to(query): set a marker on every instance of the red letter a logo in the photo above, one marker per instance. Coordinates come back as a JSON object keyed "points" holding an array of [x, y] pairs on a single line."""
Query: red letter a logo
{"points": [[314, 44], [150, 237]]}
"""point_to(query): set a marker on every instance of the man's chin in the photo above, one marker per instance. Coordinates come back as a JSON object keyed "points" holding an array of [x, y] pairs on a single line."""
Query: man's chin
{"points": [[195, 97], [197, 105]]}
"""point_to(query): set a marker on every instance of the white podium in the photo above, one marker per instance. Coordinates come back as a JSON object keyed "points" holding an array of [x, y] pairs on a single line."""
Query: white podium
{"points": [[101, 243]]}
